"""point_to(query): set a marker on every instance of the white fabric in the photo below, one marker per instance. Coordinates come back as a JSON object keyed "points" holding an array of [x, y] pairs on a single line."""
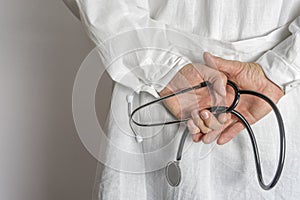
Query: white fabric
{"points": [[144, 43]]}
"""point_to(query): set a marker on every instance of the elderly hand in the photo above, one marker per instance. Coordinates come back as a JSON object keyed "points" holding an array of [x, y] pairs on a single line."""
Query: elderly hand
{"points": [[248, 76], [184, 106]]}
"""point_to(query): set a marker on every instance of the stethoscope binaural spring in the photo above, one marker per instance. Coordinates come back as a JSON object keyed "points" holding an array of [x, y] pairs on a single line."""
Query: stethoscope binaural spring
{"points": [[172, 170]]}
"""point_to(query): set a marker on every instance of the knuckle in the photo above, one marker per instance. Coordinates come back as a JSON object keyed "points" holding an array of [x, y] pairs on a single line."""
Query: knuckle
{"points": [[199, 122], [205, 130], [192, 127]]}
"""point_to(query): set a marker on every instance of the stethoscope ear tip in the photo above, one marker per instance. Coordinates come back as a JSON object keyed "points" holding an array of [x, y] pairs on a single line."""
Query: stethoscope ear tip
{"points": [[139, 138], [129, 98]]}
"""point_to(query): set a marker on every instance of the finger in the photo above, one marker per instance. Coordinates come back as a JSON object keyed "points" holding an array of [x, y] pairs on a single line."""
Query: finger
{"points": [[192, 127], [220, 81], [229, 67], [230, 132], [210, 120], [224, 117], [219, 90], [199, 122], [209, 60], [197, 137], [211, 136]]}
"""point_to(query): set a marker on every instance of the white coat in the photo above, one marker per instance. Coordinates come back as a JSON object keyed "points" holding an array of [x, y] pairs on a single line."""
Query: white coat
{"points": [[144, 43]]}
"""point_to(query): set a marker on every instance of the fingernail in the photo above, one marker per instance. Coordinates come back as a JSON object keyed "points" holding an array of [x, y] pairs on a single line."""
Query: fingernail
{"points": [[204, 115], [223, 140]]}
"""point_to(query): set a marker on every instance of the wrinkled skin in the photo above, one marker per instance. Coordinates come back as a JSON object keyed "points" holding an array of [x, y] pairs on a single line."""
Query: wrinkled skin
{"points": [[203, 124]]}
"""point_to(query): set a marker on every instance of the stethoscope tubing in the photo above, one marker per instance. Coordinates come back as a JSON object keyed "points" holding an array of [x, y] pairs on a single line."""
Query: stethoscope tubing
{"points": [[229, 109], [282, 142]]}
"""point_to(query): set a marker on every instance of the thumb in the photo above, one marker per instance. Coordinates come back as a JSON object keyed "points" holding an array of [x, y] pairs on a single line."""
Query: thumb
{"points": [[229, 67]]}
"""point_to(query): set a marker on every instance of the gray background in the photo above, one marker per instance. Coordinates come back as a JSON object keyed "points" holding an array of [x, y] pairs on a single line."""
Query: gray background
{"points": [[41, 157]]}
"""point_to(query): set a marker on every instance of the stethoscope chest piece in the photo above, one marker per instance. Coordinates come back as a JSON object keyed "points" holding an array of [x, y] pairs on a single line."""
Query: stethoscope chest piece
{"points": [[173, 173]]}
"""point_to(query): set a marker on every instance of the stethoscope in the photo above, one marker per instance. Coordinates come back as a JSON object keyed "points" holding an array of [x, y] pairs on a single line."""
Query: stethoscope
{"points": [[172, 170]]}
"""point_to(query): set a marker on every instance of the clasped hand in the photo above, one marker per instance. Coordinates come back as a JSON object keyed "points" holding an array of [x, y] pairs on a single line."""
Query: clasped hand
{"points": [[203, 125]]}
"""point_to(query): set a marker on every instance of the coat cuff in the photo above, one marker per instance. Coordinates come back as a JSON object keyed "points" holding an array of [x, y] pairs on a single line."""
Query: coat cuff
{"points": [[279, 71], [176, 65]]}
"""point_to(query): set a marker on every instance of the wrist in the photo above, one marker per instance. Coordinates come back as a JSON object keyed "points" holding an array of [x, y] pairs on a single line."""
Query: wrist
{"points": [[270, 89], [164, 92], [171, 88], [273, 91]]}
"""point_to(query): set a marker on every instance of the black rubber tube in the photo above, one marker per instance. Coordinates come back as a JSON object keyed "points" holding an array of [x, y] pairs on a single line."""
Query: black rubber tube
{"points": [[282, 145], [201, 85], [181, 144]]}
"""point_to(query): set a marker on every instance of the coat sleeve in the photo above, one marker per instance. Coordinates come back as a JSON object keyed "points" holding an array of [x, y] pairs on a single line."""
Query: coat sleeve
{"points": [[282, 63], [136, 50]]}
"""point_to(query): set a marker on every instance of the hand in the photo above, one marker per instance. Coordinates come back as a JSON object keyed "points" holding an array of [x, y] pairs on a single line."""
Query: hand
{"points": [[248, 76], [190, 103]]}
